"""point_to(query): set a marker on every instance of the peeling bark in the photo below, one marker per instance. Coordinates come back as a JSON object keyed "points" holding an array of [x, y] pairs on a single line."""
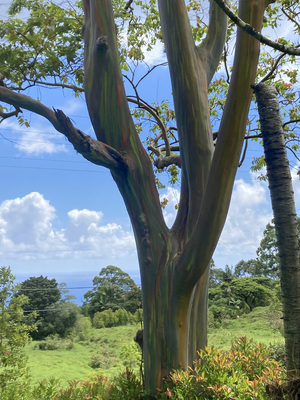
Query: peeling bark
{"points": [[285, 218]]}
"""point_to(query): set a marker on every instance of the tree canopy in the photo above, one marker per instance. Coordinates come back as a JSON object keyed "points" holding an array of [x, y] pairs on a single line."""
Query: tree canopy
{"points": [[112, 289]]}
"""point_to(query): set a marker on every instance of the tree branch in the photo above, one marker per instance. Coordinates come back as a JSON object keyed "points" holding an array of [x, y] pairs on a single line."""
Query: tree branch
{"points": [[292, 50], [219, 185], [91, 149], [213, 44]]}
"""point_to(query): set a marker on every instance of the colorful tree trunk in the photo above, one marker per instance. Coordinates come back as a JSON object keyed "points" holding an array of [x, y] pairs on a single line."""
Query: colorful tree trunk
{"points": [[173, 262]]}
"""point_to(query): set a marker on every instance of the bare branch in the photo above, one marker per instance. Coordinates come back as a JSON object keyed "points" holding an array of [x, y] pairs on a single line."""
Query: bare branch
{"points": [[270, 74], [153, 112], [91, 149], [61, 85], [292, 50], [293, 152], [15, 113], [291, 122], [128, 5]]}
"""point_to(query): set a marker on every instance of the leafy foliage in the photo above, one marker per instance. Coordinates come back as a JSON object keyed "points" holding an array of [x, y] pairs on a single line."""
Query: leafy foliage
{"points": [[240, 373], [112, 289], [239, 296], [41, 291], [14, 330]]}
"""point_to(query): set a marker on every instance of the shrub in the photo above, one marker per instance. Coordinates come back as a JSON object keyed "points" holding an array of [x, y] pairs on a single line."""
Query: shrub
{"points": [[240, 373], [131, 355], [83, 327], [104, 360], [278, 352], [54, 342], [126, 386], [109, 318]]}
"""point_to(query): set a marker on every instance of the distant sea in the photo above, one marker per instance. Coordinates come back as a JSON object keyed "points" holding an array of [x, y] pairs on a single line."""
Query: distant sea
{"points": [[77, 283]]}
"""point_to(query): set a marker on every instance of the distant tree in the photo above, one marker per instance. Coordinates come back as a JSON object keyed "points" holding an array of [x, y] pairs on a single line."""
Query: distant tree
{"points": [[133, 299], [215, 275], [45, 296], [41, 291], [267, 262], [14, 331], [110, 289], [245, 268], [253, 292], [240, 295], [60, 318]]}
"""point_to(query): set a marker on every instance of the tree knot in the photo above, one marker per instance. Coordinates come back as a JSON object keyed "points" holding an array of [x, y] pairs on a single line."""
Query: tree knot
{"points": [[101, 44]]}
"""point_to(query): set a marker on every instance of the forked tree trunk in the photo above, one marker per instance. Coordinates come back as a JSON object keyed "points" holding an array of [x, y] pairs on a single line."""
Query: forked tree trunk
{"points": [[285, 218], [173, 262]]}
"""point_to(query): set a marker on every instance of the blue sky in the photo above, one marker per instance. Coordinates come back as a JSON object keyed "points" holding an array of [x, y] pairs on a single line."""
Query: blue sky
{"points": [[63, 217]]}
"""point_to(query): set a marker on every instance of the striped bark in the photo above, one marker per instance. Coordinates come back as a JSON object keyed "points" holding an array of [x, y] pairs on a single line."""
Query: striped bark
{"points": [[285, 218]]}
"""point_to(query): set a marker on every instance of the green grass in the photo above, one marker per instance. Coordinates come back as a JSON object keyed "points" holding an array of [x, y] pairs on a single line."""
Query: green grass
{"points": [[254, 325], [109, 344]]}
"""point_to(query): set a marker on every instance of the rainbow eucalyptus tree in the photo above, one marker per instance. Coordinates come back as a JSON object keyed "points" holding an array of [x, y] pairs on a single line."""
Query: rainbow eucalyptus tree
{"points": [[174, 262]]}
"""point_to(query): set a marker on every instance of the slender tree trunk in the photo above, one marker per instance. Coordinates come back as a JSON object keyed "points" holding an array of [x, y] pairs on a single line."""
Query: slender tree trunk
{"points": [[283, 204]]}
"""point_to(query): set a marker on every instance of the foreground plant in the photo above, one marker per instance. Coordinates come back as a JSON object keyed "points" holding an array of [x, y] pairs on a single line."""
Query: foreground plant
{"points": [[14, 334], [242, 373]]}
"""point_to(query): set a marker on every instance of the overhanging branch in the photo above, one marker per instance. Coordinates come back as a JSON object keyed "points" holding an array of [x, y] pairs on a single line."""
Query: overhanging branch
{"points": [[91, 149], [292, 50]]}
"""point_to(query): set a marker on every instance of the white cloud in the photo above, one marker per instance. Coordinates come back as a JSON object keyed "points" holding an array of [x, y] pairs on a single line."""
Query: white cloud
{"points": [[247, 218], [36, 139], [27, 232]]}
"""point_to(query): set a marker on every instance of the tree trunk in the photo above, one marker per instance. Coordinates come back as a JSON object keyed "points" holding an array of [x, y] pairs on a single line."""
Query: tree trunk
{"points": [[173, 262], [285, 218]]}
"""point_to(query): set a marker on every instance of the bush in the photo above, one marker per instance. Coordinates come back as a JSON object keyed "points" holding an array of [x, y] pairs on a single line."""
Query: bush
{"points": [[54, 342], [240, 373], [83, 327], [126, 386], [104, 360], [278, 352], [131, 355], [109, 318]]}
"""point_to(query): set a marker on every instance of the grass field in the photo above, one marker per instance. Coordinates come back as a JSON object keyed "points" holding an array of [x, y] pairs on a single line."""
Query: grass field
{"points": [[113, 348]]}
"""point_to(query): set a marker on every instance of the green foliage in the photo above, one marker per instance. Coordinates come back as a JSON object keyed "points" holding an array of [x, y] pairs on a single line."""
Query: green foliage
{"points": [[41, 291], [130, 355], [83, 327], [54, 342], [109, 318], [55, 315], [124, 387], [14, 331], [278, 352], [60, 318], [239, 296], [112, 289], [240, 373], [267, 262]]}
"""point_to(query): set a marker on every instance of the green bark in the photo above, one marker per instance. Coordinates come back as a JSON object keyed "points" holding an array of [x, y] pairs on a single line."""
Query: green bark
{"points": [[285, 219]]}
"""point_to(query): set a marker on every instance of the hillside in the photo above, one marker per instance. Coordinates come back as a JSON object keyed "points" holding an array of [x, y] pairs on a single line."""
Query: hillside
{"points": [[110, 350]]}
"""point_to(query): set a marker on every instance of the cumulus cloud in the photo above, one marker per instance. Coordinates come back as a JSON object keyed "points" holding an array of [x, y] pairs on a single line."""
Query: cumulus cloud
{"points": [[248, 216], [27, 231]]}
